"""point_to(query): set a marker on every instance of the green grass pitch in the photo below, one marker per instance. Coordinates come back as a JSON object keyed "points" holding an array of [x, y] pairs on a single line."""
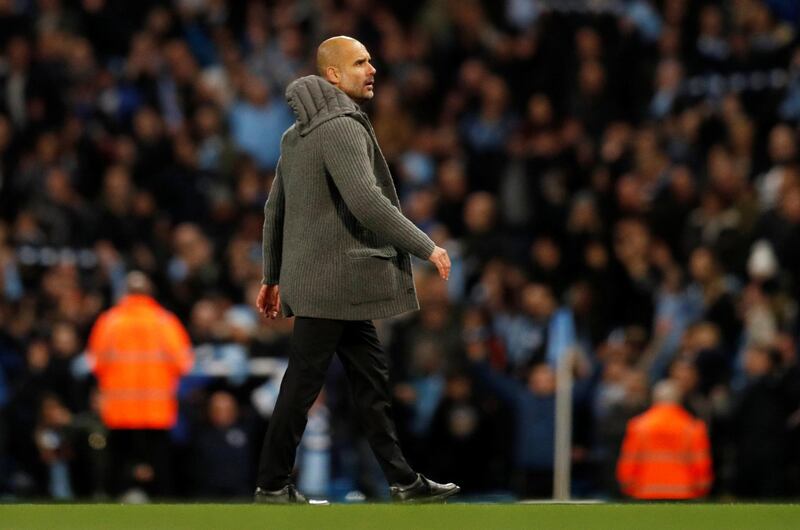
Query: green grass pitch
{"points": [[388, 517]]}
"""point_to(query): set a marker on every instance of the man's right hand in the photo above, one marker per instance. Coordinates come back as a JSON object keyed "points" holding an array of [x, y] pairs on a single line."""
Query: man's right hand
{"points": [[269, 301], [440, 258]]}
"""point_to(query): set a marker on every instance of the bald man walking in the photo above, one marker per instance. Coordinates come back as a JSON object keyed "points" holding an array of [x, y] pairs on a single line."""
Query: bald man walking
{"points": [[336, 256]]}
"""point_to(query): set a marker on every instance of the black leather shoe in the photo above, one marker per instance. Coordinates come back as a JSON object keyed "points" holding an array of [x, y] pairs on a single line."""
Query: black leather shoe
{"points": [[423, 490], [286, 495]]}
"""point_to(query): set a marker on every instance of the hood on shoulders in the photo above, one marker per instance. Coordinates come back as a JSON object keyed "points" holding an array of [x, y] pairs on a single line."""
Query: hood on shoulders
{"points": [[315, 101]]}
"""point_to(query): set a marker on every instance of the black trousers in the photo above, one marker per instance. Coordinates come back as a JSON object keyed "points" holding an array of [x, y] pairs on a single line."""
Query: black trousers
{"points": [[132, 447], [366, 364]]}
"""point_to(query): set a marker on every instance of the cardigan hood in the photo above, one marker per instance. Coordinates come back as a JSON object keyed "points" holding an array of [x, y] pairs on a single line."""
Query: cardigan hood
{"points": [[315, 101]]}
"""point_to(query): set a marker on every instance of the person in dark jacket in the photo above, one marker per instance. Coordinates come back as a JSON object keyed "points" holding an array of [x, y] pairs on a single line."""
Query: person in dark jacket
{"points": [[759, 428], [223, 450], [461, 429], [336, 256], [533, 405]]}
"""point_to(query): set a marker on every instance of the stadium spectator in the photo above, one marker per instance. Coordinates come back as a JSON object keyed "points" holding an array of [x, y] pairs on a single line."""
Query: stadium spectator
{"points": [[533, 406], [256, 123], [89, 440], [36, 380], [73, 449], [223, 451], [426, 348], [759, 423], [54, 447], [460, 427], [631, 400]]}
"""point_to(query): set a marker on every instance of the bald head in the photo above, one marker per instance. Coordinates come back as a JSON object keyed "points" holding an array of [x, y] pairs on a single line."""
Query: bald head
{"points": [[346, 64], [331, 51], [137, 282], [666, 392]]}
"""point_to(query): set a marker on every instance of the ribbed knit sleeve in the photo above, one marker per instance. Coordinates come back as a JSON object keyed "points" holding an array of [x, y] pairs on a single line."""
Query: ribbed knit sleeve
{"points": [[345, 146], [273, 231]]}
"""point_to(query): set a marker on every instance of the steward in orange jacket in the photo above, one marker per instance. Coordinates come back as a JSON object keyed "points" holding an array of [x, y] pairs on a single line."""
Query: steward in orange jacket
{"points": [[665, 454], [138, 350]]}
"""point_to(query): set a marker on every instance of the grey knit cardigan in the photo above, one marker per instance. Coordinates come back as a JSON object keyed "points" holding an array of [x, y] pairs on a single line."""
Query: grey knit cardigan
{"points": [[335, 239]]}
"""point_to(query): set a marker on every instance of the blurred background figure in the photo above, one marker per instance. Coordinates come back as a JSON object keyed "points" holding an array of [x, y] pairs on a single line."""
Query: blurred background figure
{"points": [[138, 351], [54, 448], [759, 423], [533, 406], [666, 452], [223, 451]]}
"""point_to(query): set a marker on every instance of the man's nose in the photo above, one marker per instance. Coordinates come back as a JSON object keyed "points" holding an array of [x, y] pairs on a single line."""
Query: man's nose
{"points": [[372, 70]]}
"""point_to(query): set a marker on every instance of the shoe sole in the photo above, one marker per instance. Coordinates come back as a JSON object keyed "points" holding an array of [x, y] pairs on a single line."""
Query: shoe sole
{"points": [[280, 503], [433, 499]]}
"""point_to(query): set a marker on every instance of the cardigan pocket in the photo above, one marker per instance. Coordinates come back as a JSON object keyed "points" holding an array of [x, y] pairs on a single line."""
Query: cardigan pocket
{"points": [[372, 277]]}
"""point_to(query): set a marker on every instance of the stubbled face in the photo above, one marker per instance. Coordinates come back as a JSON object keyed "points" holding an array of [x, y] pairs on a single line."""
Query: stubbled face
{"points": [[355, 72]]}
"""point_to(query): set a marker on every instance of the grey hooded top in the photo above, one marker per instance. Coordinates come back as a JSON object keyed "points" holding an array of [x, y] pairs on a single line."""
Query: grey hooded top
{"points": [[335, 239]]}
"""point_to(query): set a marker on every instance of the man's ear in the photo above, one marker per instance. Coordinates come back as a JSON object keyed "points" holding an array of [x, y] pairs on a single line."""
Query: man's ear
{"points": [[332, 75]]}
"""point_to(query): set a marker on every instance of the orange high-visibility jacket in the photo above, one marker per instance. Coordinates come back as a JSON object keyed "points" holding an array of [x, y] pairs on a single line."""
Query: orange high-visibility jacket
{"points": [[138, 350], [665, 455]]}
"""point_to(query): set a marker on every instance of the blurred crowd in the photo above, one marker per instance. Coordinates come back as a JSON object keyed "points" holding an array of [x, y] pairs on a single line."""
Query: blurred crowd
{"points": [[617, 179]]}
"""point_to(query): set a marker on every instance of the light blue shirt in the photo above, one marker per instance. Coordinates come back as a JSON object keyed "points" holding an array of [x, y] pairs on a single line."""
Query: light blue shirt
{"points": [[257, 131]]}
